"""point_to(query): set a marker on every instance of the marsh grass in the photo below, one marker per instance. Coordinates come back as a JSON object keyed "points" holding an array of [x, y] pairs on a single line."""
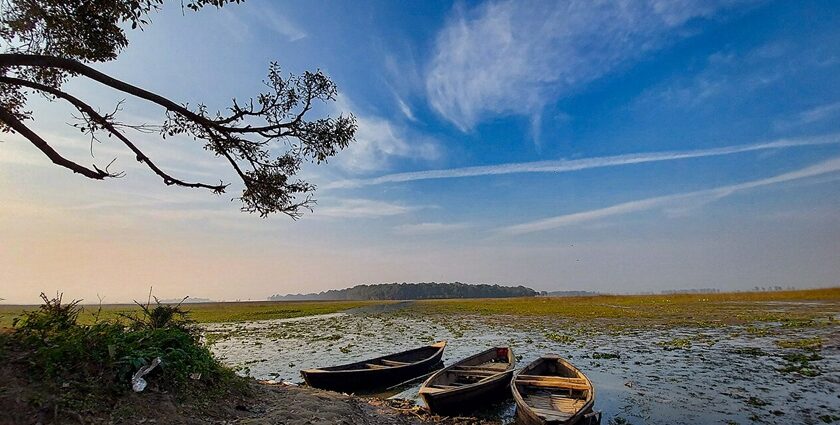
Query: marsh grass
{"points": [[793, 309]]}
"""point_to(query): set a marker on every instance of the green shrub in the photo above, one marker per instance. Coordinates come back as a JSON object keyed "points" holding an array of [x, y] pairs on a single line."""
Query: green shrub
{"points": [[88, 362]]}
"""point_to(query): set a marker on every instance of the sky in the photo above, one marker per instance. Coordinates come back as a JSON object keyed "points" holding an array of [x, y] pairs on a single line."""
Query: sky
{"points": [[563, 145]]}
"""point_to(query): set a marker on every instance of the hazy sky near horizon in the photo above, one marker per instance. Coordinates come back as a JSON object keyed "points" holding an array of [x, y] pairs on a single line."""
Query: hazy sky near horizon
{"points": [[562, 145]]}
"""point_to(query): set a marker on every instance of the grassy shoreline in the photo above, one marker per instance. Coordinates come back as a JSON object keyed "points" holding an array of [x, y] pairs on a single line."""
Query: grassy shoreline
{"points": [[216, 312], [685, 309]]}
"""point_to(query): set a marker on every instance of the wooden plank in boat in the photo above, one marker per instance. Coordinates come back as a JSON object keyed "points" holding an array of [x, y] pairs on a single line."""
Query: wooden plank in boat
{"points": [[486, 366], [549, 384], [478, 372], [551, 378], [552, 414], [393, 362], [376, 366], [447, 387]]}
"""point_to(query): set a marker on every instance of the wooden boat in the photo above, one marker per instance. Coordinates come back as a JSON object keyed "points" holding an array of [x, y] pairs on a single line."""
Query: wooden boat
{"points": [[378, 373], [475, 380], [552, 391]]}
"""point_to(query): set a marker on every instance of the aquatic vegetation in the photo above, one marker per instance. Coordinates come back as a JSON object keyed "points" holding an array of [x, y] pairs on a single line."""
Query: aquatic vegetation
{"points": [[597, 355], [798, 323], [801, 363], [558, 337], [813, 344], [756, 402], [749, 351], [759, 331], [675, 344]]}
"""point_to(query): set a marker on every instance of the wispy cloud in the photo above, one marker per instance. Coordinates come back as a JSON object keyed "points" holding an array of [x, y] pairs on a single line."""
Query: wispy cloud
{"points": [[560, 166], [429, 228], [728, 75], [378, 141], [670, 201], [511, 57], [405, 109], [263, 14], [281, 24], [810, 116], [362, 208]]}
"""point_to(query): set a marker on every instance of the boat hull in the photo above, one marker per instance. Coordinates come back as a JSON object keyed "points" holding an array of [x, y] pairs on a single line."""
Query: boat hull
{"points": [[470, 398], [369, 380], [470, 383], [526, 417], [525, 413]]}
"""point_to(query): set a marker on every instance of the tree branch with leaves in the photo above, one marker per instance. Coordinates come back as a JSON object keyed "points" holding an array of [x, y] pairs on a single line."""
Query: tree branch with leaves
{"points": [[264, 140]]}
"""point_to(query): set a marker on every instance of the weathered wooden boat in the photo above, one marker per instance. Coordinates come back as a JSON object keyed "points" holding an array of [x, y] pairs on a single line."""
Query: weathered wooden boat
{"points": [[471, 382], [552, 391], [378, 373]]}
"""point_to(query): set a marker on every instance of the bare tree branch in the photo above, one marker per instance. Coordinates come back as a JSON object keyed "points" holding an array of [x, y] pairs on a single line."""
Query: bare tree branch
{"points": [[95, 173], [107, 125]]}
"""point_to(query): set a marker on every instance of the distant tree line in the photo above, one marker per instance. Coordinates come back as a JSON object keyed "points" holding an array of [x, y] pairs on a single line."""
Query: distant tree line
{"points": [[414, 291]]}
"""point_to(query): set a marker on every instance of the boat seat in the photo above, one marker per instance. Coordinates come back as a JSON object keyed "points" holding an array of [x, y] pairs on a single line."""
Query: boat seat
{"points": [[553, 382], [376, 366], [447, 387], [462, 371], [487, 366], [552, 415], [393, 363]]}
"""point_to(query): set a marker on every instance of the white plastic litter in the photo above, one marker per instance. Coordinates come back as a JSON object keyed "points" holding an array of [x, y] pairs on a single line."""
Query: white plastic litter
{"points": [[138, 384]]}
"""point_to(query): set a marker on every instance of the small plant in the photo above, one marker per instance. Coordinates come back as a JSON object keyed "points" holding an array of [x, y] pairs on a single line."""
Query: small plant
{"points": [[160, 316], [51, 316]]}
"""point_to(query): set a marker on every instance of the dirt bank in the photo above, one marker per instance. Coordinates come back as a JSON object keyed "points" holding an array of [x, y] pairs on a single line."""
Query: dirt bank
{"points": [[266, 404]]}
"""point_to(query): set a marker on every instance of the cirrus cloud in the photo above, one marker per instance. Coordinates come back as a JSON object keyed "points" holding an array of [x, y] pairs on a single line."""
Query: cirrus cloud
{"points": [[512, 57]]}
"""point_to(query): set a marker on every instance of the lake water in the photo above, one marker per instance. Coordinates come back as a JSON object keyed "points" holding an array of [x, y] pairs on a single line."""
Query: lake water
{"points": [[652, 376]]}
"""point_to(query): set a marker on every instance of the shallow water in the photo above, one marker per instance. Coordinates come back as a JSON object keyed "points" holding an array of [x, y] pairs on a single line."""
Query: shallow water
{"points": [[661, 375]]}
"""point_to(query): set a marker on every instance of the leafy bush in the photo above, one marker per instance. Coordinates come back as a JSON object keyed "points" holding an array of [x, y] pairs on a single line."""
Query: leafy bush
{"points": [[85, 363]]}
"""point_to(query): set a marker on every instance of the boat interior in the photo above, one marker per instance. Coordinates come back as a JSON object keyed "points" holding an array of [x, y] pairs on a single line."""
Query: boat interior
{"points": [[478, 368], [394, 360], [554, 389]]}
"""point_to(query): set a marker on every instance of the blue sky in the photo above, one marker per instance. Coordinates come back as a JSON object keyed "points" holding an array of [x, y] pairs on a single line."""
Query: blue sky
{"points": [[618, 147]]}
